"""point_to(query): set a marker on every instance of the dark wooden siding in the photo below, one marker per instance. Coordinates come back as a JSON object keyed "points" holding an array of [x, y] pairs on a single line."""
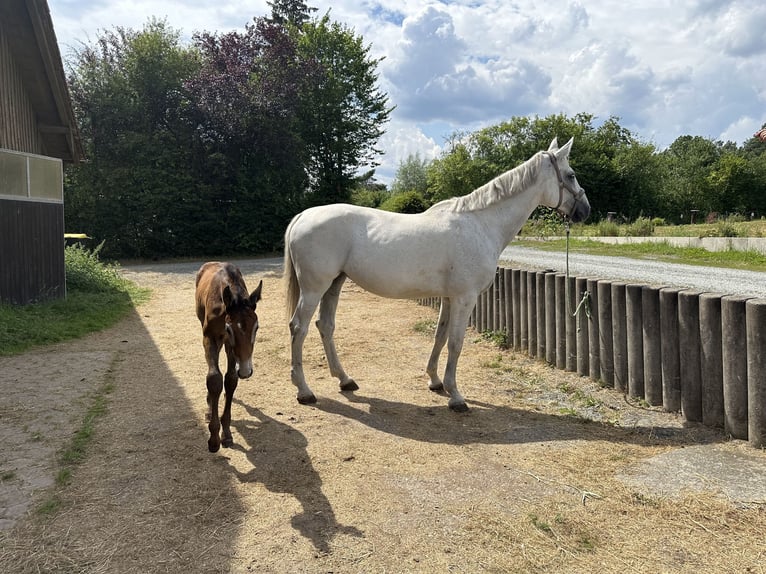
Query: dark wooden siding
{"points": [[31, 251], [18, 122]]}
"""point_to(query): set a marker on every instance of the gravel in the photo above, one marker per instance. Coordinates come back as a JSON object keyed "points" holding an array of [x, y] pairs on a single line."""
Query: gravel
{"points": [[643, 271]]}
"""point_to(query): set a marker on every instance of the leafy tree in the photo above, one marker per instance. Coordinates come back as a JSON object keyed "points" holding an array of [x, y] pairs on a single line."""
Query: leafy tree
{"points": [[294, 12], [687, 163], [342, 112], [128, 93], [411, 175]]}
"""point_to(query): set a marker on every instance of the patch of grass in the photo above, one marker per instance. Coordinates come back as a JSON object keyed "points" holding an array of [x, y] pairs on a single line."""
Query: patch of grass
{"points": [[75, 453], [97, 297], [426, 327], [497, 338], [659, 251]]}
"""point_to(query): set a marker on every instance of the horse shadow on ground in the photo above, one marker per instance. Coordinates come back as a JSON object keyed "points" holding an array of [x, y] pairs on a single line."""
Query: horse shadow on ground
{"points": [[282, 464], [487, 423]]}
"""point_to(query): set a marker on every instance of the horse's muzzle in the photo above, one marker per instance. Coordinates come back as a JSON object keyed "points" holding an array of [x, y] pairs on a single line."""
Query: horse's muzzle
{"points": [[580, 210], [245, 370]]}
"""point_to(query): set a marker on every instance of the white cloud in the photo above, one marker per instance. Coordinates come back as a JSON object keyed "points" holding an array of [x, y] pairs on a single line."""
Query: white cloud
{"points": [[665, 68]]}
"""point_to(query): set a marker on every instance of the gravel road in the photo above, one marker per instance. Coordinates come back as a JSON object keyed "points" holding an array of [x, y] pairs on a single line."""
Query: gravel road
{"points": [[643, 271]]}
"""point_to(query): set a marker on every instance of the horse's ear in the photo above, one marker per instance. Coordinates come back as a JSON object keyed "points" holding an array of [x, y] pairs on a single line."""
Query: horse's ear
{"points": [[226, 295], [255, 296], [554, 145], [565, 149]]}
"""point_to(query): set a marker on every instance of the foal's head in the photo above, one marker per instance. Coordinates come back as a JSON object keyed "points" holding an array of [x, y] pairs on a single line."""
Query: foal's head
{"points": [[241, 328]]}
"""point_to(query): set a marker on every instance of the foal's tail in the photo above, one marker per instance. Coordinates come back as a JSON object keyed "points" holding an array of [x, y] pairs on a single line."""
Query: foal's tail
{"points": [[293, 289]]}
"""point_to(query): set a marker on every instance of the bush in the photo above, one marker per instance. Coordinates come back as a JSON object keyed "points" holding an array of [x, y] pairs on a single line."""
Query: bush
{"points": [[407, 202], [85, 272], [641, 227], [607, 229]]}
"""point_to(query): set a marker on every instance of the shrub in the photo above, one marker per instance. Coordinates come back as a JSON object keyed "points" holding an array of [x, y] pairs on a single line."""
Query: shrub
{"points": [[607, 229], [85, 272], [641, 227], [407, 202]]}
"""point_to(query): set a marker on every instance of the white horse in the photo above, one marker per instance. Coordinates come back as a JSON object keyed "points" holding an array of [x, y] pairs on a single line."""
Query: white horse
{"points": [[449, 251]]}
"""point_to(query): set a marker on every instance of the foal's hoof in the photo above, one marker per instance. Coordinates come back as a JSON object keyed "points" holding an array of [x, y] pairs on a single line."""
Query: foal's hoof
{"points": [[349, 385], [213, 446], [227, 442], [436, 388], [309, 400], [459, 408]]}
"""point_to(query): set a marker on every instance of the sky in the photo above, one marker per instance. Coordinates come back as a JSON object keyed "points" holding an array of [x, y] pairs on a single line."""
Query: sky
{"points": [[665, 68]]}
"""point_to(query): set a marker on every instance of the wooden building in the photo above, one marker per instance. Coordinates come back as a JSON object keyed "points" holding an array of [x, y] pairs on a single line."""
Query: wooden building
{"points": [[38, 132]]}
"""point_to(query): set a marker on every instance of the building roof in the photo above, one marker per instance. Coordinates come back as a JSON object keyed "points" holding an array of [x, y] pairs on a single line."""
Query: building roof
{"points": [[29, 28]]}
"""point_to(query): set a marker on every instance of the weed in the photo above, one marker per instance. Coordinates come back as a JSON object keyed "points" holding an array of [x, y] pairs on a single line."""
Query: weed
{"points": [[498, 338], [426, 327]]}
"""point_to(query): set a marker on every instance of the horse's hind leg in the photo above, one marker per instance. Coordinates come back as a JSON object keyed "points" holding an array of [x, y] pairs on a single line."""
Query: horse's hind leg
{"points": [[460, 311], [299, 327], [230, 385], [440, 338], [326, 326]]}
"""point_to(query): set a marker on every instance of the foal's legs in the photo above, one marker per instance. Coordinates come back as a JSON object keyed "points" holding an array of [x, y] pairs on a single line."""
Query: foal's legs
{"points": [[214, 382], [326, 326], [439, 339], [299, 327], [230, 384], [460, 311]]}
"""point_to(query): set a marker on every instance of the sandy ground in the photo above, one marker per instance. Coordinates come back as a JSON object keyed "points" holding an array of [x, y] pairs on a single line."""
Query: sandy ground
{"points": [[546, 473]]}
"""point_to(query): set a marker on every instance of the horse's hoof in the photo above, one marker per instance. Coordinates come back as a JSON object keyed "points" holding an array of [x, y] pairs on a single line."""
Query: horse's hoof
{"points": [[309, 400], [436, 388], [227, 443], [349, 385], [213, 446], [459, 407]]}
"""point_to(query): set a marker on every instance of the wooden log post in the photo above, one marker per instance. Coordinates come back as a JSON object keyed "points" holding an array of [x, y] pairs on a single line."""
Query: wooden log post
{"points": [[507, 275], [540, 285], [619, 337], [671, 361], [634, 338], [532, 313], [594, 357], [571, 324], [581, 322], [606, 339], [516, 307], [523, 317], [689, 355], [711, 359], [550, 318], [755, 312], [734, 357], [652, 335], [561, 322]]}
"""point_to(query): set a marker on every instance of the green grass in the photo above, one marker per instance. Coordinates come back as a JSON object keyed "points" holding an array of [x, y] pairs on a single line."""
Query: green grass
{"points": [[97, 297], [657, 251]]}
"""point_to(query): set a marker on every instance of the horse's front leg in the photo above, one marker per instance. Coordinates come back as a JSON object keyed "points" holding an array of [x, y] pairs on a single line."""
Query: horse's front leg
{"points": [[460, 311], [230, 385], [326, 326], [214, 382], [440, 338]]}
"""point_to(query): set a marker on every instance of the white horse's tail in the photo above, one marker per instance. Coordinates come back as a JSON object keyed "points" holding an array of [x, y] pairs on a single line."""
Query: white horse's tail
{"points": [[293, 289]]}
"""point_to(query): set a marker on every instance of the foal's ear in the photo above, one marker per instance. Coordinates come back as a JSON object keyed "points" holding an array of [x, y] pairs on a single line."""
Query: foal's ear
{"points": [[226, 296], [554, 145], [255, 296]]}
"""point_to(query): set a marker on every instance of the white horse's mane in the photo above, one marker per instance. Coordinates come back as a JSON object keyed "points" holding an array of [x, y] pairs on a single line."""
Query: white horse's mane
{"points": [[503, 186]]}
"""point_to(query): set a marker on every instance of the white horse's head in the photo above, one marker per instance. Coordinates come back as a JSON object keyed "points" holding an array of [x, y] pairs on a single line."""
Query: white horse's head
{"points": [[563, 193]]}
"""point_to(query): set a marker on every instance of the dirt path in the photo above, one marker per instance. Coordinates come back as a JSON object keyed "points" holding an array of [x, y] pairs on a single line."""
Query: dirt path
{"points": [[385, 479]]}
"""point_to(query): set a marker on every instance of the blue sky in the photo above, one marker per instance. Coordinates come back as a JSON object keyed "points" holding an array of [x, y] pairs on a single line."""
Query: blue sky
{"points": [[666, 68]]}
